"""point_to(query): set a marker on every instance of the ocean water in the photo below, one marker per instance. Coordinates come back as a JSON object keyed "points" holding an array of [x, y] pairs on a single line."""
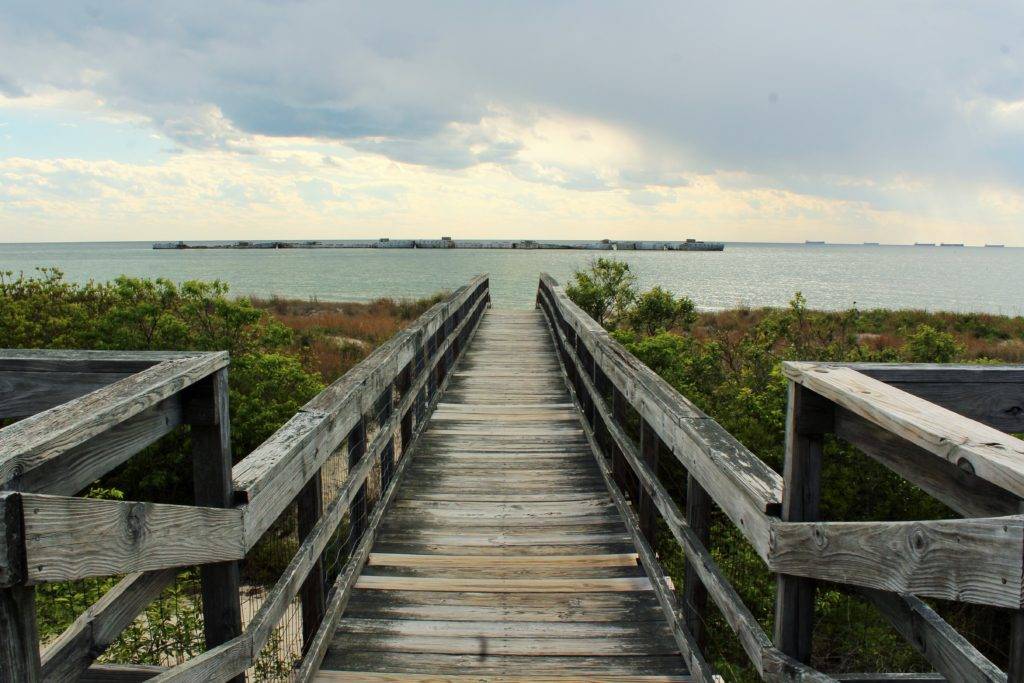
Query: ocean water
{"points": [[829, 276]]}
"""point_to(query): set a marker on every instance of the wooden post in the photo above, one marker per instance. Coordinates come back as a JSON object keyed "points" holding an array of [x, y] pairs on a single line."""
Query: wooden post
{"points": [[650, 447], [404, 384], [1015, 669], [207, 414], [357, 509], [623, 473], [695, 594], [808, 418], [310, 504], [386, 455], [19, 638]]}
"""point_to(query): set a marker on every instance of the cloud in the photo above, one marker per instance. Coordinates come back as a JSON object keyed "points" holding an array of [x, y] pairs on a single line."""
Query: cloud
{"points": [[857, 105], [9, 88], [854, 88]]}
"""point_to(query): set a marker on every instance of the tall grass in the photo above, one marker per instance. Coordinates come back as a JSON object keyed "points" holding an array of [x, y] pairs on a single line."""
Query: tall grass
{"points": [[333, 336]]}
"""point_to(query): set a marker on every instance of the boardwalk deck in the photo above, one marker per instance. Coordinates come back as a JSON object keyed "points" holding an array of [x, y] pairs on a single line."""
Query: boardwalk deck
{"points": [[503, 556]]}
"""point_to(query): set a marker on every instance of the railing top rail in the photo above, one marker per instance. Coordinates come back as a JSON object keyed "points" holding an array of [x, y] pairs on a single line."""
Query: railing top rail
{"points": [[329, 416], [35, 440], [678, 422], [978, 449], [973, 560]]}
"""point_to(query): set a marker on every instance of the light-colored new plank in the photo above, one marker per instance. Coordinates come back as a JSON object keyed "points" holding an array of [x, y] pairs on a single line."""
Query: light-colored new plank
{"points": [[504, 585]]}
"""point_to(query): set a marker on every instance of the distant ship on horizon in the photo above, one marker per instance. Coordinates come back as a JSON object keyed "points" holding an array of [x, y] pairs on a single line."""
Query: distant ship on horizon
{"points": [[952, 244], [814, 242], [924, 244]]}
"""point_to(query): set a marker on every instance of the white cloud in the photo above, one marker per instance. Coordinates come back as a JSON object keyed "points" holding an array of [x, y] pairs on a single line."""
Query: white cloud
{"points": [[835, 117]]}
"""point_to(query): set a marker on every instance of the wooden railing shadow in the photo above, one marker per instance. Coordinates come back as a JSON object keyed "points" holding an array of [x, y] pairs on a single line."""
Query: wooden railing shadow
{"points": [[900, 415], [84, 413]]}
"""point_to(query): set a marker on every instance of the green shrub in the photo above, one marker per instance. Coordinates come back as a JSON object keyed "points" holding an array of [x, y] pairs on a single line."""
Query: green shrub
{"points": [[928, 345], [658, 309], [604, 290]]}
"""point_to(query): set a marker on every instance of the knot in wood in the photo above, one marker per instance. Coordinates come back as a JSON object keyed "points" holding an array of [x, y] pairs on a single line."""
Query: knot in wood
{"points": [[918, 540], [135, 521], [965, 465], [819, 537]]}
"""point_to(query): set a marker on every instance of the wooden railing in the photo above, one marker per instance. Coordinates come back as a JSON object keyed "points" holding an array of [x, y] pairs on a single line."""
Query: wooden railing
{"points": [[636, 418], [368, 418]]}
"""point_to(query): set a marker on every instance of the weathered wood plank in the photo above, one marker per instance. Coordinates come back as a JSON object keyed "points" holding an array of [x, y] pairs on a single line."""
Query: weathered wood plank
{"points": [[360, 659], [621, 607], [488, 646], [120, 673], [271, 476], [988, 453], [68, 472], [79, 360], [961, 490], [707, 452], [528, 562], [66, 658], [501, 629], [767, 660], [72, 538], [27, 444], [503, 585], [19, 638], [949, 652], [808, 417], [25, 393], [969, 560], [699, 442], [355, 676], [211, 484]]}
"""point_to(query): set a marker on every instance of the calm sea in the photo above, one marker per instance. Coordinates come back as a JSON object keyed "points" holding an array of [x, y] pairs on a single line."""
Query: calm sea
{"points": [[829, 276]]}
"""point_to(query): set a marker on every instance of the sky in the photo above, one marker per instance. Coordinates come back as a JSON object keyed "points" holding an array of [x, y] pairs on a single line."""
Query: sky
{"points": [[740, 121]]}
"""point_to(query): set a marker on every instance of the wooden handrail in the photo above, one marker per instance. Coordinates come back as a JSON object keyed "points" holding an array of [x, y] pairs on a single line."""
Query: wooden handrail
{"points": [[971, 560], [239, 654], [140, 398]]}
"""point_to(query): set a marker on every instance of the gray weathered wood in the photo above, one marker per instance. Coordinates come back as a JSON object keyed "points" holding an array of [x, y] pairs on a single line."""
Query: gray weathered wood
{"points": [[740, 482], [987, 453], [79, 360], [69, 472], [120, 673], [961, 490], [695, 595], [807, 419], [312, 594], [211, 473], [19, 649], [949, 652], [237, 655], [272, 475], [66, 658], [72, 538], [33, 441], [769, 662], [12, 541], [969, 560], [25, 393]]}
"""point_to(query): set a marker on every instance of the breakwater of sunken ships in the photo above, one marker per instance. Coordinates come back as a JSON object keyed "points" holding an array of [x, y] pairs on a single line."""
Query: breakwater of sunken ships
{"points": [[449, 243]]}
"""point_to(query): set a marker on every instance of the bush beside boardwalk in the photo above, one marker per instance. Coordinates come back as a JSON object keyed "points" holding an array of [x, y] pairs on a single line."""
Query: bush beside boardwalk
{"points": [[728, 364], [283, 352]]}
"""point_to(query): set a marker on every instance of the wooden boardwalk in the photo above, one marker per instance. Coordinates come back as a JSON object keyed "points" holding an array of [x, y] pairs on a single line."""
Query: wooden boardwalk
{"points": [[503, 556]]}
